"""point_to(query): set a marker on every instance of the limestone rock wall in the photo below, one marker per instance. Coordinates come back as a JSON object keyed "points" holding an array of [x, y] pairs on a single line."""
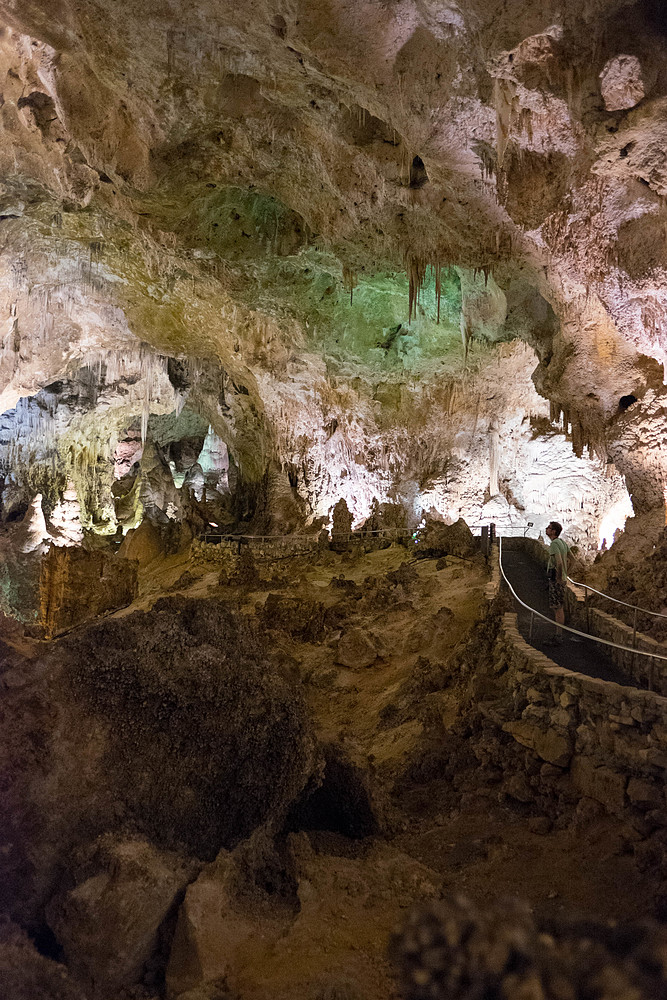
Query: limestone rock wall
{"points": [[220, 184], [76, 585]]}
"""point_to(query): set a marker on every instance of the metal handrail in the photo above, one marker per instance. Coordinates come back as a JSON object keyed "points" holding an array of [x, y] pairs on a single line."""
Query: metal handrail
{"points": [[574, 631], [312, 536], [633, 607]]}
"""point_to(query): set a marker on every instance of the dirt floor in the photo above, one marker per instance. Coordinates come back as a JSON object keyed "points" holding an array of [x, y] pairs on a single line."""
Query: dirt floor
{"points": [[435, 838], [353, 893]]}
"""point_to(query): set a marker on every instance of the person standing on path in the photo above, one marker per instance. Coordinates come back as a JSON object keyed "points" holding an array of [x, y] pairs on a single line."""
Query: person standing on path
{"points": [[557, 577]]}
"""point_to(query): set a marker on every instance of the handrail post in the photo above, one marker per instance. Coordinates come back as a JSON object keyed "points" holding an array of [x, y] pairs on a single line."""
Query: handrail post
{"points": [[650, 674], [588, 610], [530, 627], [633, 658]]}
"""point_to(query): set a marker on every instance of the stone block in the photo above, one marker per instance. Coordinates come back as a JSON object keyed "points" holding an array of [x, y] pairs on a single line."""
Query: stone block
{"points": [[656, 757], [566, 699], [355, 650], [622, 720], [645, 794], [600, 783], [518, 787], [560, 717], [109, 925], [211, 931], [551, 746]]}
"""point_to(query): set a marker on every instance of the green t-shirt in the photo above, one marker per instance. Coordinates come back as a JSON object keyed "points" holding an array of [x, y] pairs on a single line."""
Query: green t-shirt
{"points": [[558, 546]]}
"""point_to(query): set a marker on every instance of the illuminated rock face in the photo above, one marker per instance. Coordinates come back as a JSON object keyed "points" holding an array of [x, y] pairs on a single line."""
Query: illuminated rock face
{"points": [[264, 257]]}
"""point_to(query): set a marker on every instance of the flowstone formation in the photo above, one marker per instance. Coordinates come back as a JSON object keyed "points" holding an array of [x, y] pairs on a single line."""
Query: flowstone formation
{"points": [[336, 215]]}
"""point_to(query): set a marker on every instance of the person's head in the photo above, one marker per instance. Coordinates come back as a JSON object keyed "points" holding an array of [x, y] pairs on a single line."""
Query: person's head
{"points": [[554, 529]]}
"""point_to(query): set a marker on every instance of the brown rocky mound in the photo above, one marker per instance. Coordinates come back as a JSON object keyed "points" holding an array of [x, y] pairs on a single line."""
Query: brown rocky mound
{"points": [[210, 739], [453, 951], [174, 725], [436, 539]]}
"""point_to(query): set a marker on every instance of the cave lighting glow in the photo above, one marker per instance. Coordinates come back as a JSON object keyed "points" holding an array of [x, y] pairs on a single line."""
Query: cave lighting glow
{"points": [[614, 520]]}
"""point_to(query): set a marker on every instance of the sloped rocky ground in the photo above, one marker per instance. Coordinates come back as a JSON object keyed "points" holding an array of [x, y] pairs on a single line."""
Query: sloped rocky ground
{"points": [[210, 801]]}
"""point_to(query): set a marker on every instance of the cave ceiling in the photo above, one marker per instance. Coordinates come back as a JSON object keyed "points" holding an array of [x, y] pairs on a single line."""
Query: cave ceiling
{"points": [[325, 212]]}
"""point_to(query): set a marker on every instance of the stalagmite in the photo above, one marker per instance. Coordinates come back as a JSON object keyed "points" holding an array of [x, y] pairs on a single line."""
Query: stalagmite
{"points": [[494, 459], [33, 527]]}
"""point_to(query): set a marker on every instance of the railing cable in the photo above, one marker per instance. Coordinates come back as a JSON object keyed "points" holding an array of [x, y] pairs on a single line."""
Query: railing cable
{"points": [[566, 628], [608, 597]]}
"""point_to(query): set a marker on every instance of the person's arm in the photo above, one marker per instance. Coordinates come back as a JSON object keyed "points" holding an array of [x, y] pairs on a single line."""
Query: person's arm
{"points": [[560, 569]]}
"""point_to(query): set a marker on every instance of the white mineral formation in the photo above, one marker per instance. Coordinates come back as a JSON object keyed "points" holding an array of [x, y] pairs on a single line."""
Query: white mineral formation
{"points": [[293, 254], [621, 83], [65, 520], [33, 534]]}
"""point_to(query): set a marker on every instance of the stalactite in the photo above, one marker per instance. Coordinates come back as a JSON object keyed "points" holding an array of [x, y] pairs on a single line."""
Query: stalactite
{"points": [[504, 98], [466, 336], [437, 271], [350, 281], [416, 268]]}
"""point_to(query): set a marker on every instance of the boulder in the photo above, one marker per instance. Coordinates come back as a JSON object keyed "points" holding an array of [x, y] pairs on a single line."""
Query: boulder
{"points": [[142, 544], [645, 794], [622, 83], [355, 650], [210, 932], [109, 924], [437, 540], [27, 975], [550, 745], [180, 724], [301, 619], [224, 915], [211, 738]]}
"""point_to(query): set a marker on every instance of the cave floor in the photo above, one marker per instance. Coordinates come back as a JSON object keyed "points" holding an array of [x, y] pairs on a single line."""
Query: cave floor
{"points": [[471, 838]]}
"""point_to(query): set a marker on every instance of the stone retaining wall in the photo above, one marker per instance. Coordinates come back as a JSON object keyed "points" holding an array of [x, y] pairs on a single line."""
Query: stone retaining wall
{"points": [[653, 674], [268, 550], [534, 548], [613, 739]]}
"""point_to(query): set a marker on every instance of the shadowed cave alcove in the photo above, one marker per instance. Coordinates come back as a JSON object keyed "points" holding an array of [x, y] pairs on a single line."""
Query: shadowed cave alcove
{"points": [[340, 804]]}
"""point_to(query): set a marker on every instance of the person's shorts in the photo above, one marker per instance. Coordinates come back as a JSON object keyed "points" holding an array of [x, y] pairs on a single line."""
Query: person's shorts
{"points": [[556, 594]]}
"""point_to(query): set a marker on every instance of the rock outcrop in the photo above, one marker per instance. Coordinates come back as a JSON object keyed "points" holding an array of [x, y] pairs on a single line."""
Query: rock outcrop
{"points": [[173, 725], [27, 975], [109, 925], [453, 951]]}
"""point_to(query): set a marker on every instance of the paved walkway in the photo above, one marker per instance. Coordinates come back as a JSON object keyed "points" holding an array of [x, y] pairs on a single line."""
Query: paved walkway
{"points": [[529, 581]]}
